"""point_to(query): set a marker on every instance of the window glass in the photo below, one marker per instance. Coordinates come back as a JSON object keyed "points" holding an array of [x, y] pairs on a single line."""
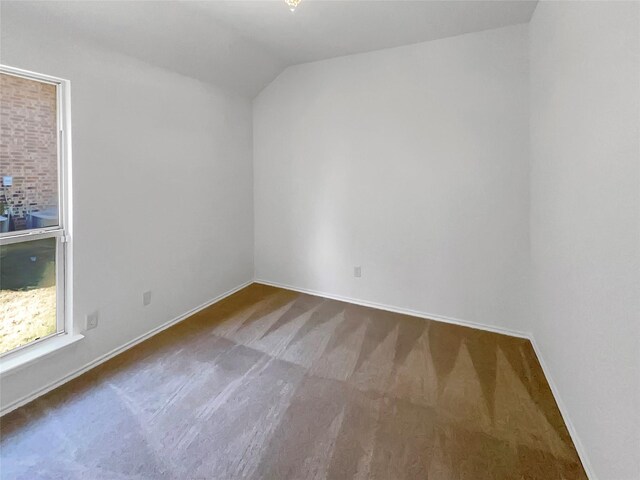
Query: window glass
{"points": [[28, 154], [32, 237], [27, 292]]}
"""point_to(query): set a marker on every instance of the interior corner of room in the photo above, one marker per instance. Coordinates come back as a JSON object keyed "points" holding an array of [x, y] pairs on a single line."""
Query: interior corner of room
{"points": [[326, 203]]}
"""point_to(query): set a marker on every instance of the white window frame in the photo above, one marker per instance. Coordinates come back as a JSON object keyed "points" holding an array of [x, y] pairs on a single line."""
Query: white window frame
{"points": [[66, 332]]}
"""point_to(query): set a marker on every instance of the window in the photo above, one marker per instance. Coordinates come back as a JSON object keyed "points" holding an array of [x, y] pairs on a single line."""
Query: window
{"points": [[33, 208]]}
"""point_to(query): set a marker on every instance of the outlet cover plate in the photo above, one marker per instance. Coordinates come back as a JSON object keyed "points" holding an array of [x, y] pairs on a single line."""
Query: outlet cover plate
{"points": [[91, 321]]}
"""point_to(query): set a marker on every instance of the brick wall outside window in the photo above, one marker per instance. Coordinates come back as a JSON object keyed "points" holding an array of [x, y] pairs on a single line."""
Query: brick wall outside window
{"points": [[28, 146]]}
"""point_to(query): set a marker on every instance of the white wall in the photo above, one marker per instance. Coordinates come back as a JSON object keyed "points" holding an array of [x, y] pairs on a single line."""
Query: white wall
{"points": [[411, 162], [585, 220], [162, 192]]}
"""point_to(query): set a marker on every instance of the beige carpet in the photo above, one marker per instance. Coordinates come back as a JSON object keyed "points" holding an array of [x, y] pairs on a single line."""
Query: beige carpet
{"points": [[274, 384]]}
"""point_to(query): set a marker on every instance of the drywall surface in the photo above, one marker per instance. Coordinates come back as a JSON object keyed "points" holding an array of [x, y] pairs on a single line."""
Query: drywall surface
{"points": [[585, 220], [162, 184], [410, 162]]}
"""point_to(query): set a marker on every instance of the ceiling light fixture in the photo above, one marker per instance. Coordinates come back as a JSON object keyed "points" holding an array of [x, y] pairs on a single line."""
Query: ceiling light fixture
{"points": [[292, 4]]}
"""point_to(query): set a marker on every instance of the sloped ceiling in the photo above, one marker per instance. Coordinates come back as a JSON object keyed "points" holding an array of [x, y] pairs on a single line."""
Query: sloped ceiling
{"points": [[244, 45]]}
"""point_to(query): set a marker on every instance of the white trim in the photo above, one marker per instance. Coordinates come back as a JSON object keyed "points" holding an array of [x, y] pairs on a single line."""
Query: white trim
{"points": [[582, 454], [31, 75], [406, 311], [9, 238], [67, 212], [107, 356], [35, 352], [554, 389]]}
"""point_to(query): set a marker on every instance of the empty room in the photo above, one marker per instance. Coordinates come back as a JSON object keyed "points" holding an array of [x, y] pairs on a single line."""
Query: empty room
{"points": [[320, 239]]}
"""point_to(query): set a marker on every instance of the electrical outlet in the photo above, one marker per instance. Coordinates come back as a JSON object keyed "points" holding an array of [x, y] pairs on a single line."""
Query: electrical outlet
{"points": [[357, 272], [146, 298], [91, 321]]}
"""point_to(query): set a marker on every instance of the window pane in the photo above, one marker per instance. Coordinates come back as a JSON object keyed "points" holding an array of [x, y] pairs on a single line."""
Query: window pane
{"points": [[28, 154], [27, 292]]}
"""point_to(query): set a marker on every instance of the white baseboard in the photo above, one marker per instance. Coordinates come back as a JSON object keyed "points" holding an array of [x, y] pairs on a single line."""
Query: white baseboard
{"points": [[395, 309], [582, 453], [554, 389], [528, 336], [103, 358]]}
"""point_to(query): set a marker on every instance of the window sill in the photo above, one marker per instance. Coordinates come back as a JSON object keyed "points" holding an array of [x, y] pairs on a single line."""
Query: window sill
{"points": [[15, 362]]}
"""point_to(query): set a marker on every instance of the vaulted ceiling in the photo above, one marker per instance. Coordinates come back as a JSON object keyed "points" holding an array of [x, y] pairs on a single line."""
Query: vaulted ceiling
{"points": [[244, 45]]}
